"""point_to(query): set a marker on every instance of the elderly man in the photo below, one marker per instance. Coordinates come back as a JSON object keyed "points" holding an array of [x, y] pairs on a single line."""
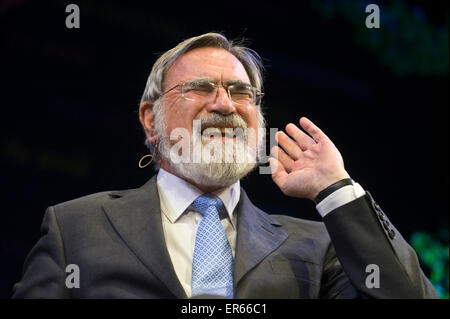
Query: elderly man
{"points": [[191, 231]]}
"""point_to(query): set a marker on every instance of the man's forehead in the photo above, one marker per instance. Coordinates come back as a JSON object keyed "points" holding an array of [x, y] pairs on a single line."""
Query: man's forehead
{"points": [[213, 63]]}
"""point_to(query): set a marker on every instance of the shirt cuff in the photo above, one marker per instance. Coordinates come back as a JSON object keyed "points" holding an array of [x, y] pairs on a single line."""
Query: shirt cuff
{"points": [[339, 198]]}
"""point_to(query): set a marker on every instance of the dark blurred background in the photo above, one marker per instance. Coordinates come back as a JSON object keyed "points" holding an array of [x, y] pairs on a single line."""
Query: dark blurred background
{"points": [[69, 101]]}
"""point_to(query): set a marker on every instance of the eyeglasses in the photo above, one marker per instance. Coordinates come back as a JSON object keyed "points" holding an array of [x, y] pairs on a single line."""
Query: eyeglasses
{"points": [[205, 90]]}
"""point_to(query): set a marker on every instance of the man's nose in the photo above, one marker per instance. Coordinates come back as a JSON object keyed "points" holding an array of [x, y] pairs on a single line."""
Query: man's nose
{"points": [[221, 102]]}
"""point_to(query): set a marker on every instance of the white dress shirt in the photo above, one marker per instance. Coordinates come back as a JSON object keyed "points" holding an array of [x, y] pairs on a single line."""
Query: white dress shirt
{"points": [[339, 198], [180, 225]]}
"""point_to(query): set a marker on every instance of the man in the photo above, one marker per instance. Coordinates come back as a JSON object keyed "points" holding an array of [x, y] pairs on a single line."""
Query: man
{"points": [[191, 230]]}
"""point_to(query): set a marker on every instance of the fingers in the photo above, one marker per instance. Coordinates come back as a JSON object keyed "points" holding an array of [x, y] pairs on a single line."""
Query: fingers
{"points": [[302, 139], [291, 147], [313, 130], [283, 158]]}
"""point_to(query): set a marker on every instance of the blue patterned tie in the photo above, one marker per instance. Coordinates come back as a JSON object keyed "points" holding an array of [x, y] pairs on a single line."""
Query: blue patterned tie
{"points": [[212, 267]]}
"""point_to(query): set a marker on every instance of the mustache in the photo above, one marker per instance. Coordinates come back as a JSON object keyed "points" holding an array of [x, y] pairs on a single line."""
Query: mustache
{"points": [[220, 120]]}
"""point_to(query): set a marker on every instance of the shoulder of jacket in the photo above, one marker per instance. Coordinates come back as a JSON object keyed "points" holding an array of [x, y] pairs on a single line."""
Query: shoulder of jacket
{"points": [[89, 203]]}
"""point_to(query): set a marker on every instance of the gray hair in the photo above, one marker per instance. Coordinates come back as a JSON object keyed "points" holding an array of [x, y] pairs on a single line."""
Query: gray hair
{"points": [[248, 57]]}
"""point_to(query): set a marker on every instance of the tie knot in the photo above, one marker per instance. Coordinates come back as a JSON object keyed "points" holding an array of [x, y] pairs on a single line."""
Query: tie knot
{"points": [[205, 202]]}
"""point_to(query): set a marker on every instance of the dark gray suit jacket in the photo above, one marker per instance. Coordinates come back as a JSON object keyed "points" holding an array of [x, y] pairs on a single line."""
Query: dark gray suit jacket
{"points": [[116, 240]]}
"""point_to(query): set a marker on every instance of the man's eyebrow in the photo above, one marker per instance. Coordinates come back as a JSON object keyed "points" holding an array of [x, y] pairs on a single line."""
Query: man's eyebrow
{"points": [[202, 80], [234, 82], [231, 82]]}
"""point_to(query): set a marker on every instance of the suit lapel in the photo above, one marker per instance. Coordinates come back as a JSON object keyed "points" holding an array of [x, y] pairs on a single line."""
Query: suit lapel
{"points": [[257, 236], [136, 216]]}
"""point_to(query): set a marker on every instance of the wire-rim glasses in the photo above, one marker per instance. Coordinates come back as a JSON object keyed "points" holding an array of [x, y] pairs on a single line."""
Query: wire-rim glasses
{"points": [[202, 90]]}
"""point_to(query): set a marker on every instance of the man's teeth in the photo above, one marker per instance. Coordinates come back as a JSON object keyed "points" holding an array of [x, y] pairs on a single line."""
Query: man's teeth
{"points": [[225, 131]]}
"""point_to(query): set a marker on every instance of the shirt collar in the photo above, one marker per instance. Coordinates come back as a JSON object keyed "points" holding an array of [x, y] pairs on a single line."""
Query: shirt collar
{"points": [[176, 195]]}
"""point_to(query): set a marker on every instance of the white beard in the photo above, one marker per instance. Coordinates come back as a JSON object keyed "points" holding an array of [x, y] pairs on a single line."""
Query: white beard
{"points": [[212, 170], [220, 169]]}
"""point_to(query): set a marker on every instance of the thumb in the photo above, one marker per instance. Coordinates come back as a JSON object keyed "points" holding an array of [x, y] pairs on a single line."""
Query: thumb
{"points": [[279, 173]]}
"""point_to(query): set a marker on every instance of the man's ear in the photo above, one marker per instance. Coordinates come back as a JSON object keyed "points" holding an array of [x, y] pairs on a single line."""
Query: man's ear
{"points": [[147, 119]]}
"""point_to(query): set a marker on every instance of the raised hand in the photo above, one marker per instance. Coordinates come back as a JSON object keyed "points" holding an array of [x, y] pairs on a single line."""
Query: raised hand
{"points": [[305, 165]]}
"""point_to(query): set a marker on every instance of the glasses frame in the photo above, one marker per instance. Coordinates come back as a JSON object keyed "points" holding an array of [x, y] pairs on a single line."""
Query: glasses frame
{"points": [[258, 95]]}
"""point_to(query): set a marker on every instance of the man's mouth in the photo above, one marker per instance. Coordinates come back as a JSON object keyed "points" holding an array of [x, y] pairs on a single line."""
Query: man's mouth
{"points": [[211, 131]]}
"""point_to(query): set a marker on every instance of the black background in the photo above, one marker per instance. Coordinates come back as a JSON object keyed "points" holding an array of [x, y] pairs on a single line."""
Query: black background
{"points": [[69, 101]]}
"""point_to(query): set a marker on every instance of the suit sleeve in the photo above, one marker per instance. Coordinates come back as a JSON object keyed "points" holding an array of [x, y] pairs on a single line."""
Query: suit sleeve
{"points": [[44, 269], [366, 243]]}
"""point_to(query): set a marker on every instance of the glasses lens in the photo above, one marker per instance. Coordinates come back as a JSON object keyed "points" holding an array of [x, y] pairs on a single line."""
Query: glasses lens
{"points": [[242, 94], [197, 89]]}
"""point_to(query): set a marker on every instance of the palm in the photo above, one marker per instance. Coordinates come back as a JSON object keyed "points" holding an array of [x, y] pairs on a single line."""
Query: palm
{"points": [[305, 165]]}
